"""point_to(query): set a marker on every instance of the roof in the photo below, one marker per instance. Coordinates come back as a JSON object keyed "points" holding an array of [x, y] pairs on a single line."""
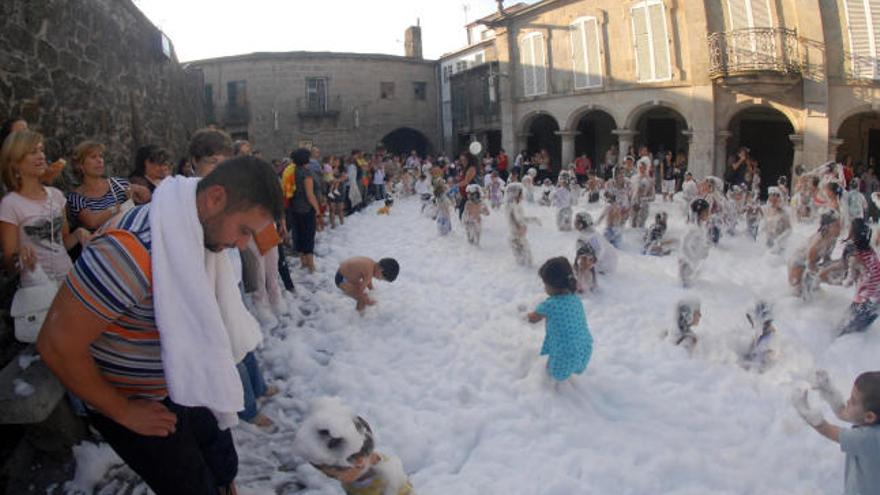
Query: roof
{"points": [[513, 9], [252, 57]]}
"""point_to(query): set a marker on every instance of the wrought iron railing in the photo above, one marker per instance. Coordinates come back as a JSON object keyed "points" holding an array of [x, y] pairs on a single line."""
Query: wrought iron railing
{"points": [[753, 50], [315, 107]]}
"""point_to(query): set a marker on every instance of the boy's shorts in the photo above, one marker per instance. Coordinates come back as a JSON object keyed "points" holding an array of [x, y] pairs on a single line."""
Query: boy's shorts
{"points": [[668, 186]]}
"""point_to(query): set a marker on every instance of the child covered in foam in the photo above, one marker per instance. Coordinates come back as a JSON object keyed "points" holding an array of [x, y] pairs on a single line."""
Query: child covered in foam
{"points": [[340, 445]]}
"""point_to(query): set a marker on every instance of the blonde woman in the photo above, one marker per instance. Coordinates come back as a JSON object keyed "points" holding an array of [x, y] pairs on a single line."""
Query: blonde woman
{"points": [[33, 225], [98, 198]]}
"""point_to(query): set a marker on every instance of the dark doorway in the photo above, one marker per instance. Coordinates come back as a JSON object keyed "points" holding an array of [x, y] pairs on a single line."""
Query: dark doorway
{"points": [[861, 139], [542, 135], [594, 136], [660, 129], [403, 140], [493, 141], [765, 132]]}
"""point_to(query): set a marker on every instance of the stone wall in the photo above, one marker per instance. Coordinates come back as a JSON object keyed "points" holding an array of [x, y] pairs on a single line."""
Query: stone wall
{"points": [[94, 69]]}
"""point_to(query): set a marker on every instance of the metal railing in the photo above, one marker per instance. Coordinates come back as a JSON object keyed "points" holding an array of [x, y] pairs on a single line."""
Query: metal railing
{"points": [[754, 50], [330, 106]]}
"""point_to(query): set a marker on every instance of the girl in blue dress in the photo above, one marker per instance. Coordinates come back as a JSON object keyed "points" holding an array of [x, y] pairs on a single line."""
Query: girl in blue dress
{"points": [[568, 343]]}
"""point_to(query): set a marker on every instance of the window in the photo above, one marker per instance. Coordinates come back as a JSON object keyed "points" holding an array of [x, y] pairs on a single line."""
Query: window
{"points": [[316, 94], [533, 58], [460, 66], [651, 41], [750, 47], [585, 51], [420, 90], [236, 94], [386, 90], [208, 101], [863, 24], [447, 71], [479, 58]]}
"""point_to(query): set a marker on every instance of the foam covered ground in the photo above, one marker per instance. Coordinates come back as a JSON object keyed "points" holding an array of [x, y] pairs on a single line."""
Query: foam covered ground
{"points": [[446, 369]]}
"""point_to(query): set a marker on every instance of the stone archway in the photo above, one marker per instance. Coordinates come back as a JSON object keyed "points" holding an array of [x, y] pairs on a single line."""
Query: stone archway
{"points": [[403, 140], [660, 129], [542, 130], [860, 134], [765, 131], [594, 135]]}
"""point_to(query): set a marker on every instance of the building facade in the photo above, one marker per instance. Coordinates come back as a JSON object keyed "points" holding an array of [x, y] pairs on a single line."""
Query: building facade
{"points": [[335, 101], [796, 81]]}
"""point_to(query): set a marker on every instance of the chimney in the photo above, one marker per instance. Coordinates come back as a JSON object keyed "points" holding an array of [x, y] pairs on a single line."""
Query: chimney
{"points": [[413, 42]]}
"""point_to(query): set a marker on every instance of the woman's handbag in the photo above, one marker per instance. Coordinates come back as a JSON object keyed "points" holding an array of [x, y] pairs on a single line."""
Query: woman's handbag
{"points": [[31, 304]]}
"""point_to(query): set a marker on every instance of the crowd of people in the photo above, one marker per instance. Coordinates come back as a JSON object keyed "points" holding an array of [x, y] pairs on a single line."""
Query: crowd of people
{"points": [[133, 330]]}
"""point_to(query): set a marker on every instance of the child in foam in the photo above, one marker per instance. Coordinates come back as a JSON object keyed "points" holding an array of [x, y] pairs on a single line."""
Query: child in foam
{"points": [[687, 316], [695, 244], [861, 444], [561, 198], [546, 192], [655, 243], [341, 445], [355, 276], [518, 222], [777, 226], [496, 190], [762, 351], [864, 308], [443, 207], [606, 257], [585, 269], [528, 184], [568, 343], [807, 261], [474, 210]]}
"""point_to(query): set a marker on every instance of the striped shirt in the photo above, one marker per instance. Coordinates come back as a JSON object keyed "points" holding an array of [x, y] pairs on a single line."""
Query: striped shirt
{"points": [[113, 279], [115, 195], [869, 283]]}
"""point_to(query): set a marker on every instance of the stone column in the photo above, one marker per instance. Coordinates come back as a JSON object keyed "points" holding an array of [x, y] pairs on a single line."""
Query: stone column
{"points": [[833, 144], [721, 139], [522, 142], [567, 147], [624, 141], [798, 141]]}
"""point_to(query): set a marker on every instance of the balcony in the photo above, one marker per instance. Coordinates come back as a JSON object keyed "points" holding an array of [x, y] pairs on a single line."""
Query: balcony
{"points": [[765, 60], [319, 108]]}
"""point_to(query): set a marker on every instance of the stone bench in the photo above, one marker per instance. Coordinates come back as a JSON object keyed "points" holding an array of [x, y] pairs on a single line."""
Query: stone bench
{"points": [[29, 393], [32, 397]]}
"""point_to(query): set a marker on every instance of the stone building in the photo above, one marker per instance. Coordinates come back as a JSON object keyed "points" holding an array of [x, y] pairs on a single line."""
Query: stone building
{"points": [[335, 101], [796, 81], [63, 68]]}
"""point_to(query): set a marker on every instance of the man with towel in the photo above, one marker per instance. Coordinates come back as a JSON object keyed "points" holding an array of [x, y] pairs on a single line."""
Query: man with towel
{"points": [[138, 331]]}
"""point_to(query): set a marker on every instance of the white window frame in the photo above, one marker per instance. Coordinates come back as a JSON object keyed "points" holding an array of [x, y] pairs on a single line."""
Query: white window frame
{"points": [[649, 25], [581, 23], [872, 42], [530, 37]]}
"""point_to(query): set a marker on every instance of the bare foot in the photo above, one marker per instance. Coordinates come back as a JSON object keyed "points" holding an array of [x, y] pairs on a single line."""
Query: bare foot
{"points": [[263, 421], [271, 390]]}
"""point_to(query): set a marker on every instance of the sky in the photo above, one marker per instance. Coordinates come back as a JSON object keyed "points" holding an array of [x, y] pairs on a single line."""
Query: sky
{"points": [[214, 28]]}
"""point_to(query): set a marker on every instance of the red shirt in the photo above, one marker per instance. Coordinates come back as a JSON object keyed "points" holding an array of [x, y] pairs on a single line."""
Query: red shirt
{"points": [[502, 161], [582, 165]]}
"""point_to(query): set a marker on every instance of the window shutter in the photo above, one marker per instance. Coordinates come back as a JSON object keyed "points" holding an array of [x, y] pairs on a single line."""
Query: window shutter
{"points": [[875, 37], [761, 16], [579, 56], [860, 37], [594, 60], [540, 65], [738, 14], [642, 43], [660, 41], [528, 66]]}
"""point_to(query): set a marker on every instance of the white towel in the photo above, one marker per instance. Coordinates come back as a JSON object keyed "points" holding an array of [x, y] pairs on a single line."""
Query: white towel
{"points": [[204, 327]]}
